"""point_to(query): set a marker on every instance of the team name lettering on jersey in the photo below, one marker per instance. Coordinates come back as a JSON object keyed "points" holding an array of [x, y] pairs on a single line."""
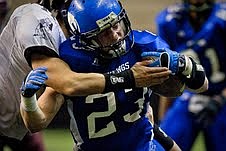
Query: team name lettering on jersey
{"points": [[122, 67]]}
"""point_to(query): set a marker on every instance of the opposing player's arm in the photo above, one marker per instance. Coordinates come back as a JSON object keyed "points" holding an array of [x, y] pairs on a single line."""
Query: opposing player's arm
{"points": [[65, 81], [47, 106], [37, 116]]}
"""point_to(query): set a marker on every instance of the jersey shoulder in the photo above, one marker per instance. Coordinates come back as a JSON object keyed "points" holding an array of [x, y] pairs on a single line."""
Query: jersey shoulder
{"points": [[35, 27], [171, 13], [143, 37], [27, 17], [220, 12], [76, 56], [148, 41], [34, 23]]}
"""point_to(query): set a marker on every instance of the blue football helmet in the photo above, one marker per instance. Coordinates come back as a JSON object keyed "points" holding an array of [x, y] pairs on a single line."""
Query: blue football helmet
{"points": [[199, 11], [89, 18], [199, 6]]}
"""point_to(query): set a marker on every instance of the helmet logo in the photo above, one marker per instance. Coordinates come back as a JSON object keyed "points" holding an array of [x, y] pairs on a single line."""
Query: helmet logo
{"points": [[46, 25], [106, 21], [73, 23]]}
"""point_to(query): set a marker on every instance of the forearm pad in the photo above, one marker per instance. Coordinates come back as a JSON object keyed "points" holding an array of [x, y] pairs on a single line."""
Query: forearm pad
{"points": [[197, 78], [166, 141], [122, 80]]}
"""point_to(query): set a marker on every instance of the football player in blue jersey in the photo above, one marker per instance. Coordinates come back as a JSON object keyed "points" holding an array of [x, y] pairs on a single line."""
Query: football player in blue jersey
{"points": [[197, 28], [114, 119], [3, 12]]}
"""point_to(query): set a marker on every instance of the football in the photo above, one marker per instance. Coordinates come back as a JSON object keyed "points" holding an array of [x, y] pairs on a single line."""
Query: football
{"points": [[172, 87]]}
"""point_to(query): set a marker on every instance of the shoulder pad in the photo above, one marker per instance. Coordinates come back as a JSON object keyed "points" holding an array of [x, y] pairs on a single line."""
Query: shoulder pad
{"points": [[220, 11], [170, 13], [176, 8], [143, 37], [147, 41]]}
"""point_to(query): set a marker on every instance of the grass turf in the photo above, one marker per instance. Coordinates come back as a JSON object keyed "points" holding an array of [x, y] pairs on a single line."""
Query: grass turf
{"points": [[61, 140]]}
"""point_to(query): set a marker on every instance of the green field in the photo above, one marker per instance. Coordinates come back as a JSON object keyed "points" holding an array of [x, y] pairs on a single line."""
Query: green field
{"points": [[61, 140], [58, 140]]}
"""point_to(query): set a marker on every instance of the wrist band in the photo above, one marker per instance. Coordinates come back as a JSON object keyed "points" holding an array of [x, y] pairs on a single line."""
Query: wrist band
{"points": [[29, 104], [166, 142], [122, 80], [197, 78], [188, 67]]}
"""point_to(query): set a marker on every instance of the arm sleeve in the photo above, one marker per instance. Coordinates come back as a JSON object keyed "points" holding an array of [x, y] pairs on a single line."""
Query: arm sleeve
{"points": [[39, 33]]}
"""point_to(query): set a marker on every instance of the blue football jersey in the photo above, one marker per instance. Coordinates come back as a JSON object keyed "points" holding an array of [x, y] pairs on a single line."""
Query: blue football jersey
{"points": [[113, 121], [207, 46]]}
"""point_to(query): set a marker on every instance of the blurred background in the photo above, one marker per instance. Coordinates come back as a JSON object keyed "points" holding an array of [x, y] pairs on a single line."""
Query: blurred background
{"points": [[142, 15]]}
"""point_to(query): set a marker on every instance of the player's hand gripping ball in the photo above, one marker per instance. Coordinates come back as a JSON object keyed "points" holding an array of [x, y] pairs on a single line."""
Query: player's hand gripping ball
{"points": [[172, 87]]}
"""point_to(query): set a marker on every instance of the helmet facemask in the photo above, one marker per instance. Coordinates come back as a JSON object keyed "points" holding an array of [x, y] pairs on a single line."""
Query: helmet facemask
{"points": [[115, 49], [200, 8], [199, 11]]}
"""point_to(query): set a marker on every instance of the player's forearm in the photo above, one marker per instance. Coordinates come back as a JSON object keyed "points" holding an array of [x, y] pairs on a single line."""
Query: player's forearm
{"points": [[38, 116], [203, 88], [167, 142], [34, 121], [196, 81], [175, 147], [81, 84], [65, 81], [164, 105]]}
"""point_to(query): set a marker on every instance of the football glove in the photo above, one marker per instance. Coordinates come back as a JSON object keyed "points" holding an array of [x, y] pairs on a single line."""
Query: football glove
{"points": [[197, 102], [33, 82], [174, 61], [207, 115]]}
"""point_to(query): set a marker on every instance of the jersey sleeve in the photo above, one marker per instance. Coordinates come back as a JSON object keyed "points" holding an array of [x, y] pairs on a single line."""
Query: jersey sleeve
{"points": [[38, 33], [220, 13], [166, 23]]}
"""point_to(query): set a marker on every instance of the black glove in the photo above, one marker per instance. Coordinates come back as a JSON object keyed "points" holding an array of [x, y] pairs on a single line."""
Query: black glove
{"points": [[207, 115]]}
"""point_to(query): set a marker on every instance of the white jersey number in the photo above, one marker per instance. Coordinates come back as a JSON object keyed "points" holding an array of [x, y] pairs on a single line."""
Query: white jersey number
{"points": [[110, 127]]}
